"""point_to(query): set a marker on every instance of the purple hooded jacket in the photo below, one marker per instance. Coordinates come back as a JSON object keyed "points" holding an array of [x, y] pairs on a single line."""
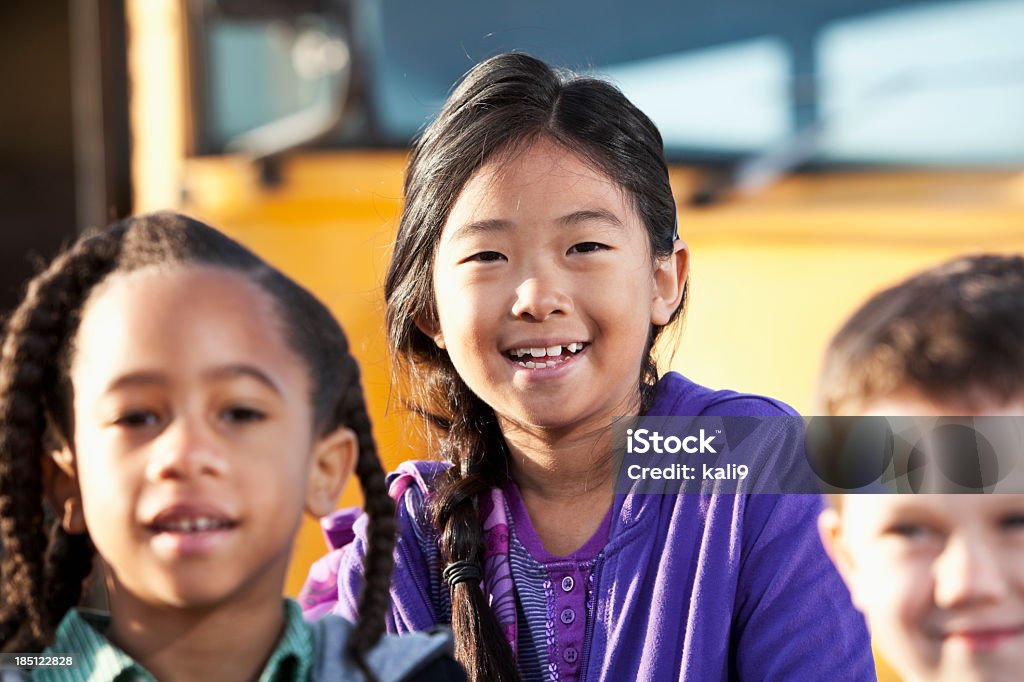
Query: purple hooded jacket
{"points": [[687, 587]]}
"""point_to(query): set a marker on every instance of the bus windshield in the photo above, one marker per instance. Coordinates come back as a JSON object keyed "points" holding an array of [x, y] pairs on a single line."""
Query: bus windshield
{"points": [[866, 82]]}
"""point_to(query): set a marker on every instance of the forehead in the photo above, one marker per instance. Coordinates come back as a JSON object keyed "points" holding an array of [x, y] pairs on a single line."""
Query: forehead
{"points": [[180, 291], [539, 181], [1003, 433], [541, 159], [200, 315]]}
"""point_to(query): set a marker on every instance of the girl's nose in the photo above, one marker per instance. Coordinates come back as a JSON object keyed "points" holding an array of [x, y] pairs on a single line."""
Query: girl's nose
{"points": [[186, 449], [968, 572], [538, 299]]}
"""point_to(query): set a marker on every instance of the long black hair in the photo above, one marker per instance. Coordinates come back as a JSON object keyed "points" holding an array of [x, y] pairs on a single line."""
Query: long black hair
{"points": [[43, 569], [503, 104]]}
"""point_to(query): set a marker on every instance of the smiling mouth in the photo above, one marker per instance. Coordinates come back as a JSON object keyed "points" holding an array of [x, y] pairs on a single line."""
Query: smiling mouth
{"points": [[189, 519], [199, 524], [985, 639], [191, 531], [537, 357]]}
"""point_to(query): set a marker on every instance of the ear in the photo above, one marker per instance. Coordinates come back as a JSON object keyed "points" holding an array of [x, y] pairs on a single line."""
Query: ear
{"points": [[830, 529], [670, 283], [60, 485], [330, 467], [431, 329]]}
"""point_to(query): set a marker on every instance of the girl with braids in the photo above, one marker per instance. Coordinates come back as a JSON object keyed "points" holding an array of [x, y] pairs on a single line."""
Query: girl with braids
{"points": [[536, 264], [177, 402]]}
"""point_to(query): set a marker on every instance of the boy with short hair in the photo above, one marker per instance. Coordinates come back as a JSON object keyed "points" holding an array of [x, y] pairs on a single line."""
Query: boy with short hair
{"points": [[940, 578]]}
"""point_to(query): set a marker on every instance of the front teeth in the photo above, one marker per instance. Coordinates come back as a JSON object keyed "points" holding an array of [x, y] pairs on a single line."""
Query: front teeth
{"points": [[549, 351], [552, 355], [197, 525], [535, 365]]}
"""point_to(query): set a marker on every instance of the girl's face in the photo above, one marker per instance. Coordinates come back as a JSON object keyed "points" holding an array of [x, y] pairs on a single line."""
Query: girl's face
{"points": [[194, 448], [546, 290]]}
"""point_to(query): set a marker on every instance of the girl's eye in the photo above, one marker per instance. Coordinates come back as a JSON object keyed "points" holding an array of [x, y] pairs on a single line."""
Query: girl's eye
{"points": [[134, 419], [243, 415], [587, 247], [486, 257]]}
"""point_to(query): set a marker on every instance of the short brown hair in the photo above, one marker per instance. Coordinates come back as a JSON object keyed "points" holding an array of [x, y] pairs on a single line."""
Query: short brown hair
{"points": [[951, 332]]}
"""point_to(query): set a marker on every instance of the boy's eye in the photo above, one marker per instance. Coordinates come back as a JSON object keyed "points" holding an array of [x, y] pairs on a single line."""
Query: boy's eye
{"points": [[910, 531], [1013, 521], [134, 419], [243, 415], [588, 247], [486, 257]]}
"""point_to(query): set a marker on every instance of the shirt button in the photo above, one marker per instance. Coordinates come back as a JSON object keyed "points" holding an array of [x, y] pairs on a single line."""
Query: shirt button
{"points": [[570, 655], [568, 616], [568, 583]]}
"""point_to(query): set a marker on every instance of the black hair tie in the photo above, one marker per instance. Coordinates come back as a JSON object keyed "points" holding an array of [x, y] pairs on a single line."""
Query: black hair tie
{"points": [[462, 571]]}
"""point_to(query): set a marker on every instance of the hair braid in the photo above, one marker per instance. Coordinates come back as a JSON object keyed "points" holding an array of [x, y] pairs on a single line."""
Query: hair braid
{"points": [[374, 600], [478, 453], [67, 564], [36, 341]]}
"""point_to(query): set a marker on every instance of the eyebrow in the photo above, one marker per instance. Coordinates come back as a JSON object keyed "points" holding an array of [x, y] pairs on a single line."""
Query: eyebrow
{"points": [[490, 226], [600, 214], [148, 378], [478, 227]]}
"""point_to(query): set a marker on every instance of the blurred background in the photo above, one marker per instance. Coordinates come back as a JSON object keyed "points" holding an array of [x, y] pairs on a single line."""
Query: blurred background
{"points": [[819, 149]]}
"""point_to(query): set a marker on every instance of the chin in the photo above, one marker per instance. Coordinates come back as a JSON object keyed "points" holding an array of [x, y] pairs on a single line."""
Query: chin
{"points": [[994, 668], [545, 416], [192, 594]]}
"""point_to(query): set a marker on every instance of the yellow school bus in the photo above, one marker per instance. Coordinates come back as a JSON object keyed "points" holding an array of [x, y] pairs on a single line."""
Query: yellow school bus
{"points": [[817, 153]]}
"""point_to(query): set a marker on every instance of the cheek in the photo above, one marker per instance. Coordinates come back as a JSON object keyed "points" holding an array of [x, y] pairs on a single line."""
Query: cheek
{"points": [[623, 314], [449, 299], [275, 495], [101, 475], [469, 315], [896, 589], [285, 455], [627, 289], [1016, 573], [447, 274], [109, 492]]}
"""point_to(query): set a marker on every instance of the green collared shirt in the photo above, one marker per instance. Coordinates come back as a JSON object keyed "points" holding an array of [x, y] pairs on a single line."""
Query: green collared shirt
{"points": [[97, 660]]}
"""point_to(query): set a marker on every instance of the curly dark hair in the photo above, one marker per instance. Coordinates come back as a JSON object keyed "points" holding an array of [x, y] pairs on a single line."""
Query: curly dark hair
{"points": [[503, 104], [43, 569]]}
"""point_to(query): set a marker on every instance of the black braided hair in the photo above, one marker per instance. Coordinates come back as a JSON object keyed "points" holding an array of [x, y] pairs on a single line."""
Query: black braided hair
{"points": [[42, 573], [36, 593], [502, 105], [379, 561], [456, 514]]}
